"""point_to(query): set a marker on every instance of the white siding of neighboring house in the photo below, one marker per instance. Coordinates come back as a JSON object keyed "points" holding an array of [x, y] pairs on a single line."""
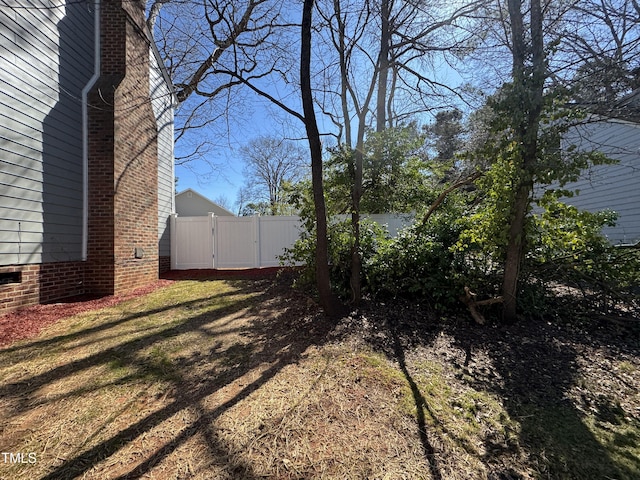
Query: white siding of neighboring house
{"points": [[46, 58], [613, 187], [191, 204], [162, 102]]}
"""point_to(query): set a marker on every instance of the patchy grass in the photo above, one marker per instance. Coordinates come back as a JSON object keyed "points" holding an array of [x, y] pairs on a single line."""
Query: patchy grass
{"points": [[244, 379]]}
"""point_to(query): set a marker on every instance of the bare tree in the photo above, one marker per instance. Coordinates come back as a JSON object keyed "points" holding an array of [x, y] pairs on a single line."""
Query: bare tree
{"points": [[315, 146], [599, 51], [382, 56], [270, 164], [223, 201], [211, 48]]}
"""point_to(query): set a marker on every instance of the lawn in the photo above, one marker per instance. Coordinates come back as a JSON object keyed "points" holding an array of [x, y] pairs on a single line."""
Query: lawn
{"points": [[245, 379]]}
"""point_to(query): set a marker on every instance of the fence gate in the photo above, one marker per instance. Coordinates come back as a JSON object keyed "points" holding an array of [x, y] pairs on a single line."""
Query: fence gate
{"points": [[191, 242], [230, 242]]}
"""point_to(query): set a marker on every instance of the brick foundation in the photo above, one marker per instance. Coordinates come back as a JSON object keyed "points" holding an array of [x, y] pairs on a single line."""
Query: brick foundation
{"points": [[164, 264], [41, 284]]}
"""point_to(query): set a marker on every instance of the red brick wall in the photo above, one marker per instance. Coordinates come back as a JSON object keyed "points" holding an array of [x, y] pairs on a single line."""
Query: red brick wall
{"points": [[123, 176], [136, 163], [41, 284]]}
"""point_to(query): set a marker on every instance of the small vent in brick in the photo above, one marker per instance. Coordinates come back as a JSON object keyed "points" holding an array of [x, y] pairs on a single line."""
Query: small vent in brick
{"points": [[10, 277]]}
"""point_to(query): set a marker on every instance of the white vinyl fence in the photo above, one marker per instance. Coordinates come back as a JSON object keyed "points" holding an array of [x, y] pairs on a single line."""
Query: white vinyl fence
{"points": [[230, 242], [243, 242]]}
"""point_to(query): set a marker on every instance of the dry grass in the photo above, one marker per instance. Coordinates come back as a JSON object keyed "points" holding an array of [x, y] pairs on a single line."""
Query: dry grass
{"points": [[246, 380], [203, 380]]}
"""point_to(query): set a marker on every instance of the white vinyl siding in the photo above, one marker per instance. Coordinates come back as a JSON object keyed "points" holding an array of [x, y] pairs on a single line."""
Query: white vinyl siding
{"points": [[191, 204], [162, 102]]}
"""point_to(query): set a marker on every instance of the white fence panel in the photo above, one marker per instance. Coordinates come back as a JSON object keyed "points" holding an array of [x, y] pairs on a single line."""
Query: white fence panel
{"points": [[191, 242], [393, 222], [244, 242], [235, 242], [276, 234]]}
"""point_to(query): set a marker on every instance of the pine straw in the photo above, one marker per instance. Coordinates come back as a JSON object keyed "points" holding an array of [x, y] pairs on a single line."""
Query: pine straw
{"points": [[204, 380], [227, 379], [333, 415]]}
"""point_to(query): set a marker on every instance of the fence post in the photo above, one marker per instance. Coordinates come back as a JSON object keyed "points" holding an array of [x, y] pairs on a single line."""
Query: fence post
{"points": [[173, 235], [256, 241], [212, 240]]}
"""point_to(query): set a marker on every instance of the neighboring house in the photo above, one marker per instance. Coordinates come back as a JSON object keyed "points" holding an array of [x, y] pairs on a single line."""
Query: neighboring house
{"points": [[612, 187], [190, 203], [86, 151]]}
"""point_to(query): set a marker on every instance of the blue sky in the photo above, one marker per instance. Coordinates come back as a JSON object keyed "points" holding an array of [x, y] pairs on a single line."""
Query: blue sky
{"points": [[227, 176], [255, 118], [221, 173]]}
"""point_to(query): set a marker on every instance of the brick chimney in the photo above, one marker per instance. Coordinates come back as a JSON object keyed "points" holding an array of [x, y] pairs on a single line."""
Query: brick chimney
{"points": [[122, 249]]}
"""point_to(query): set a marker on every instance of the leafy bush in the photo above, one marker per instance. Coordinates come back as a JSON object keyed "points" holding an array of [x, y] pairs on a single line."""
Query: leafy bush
{"points": [[420, 261], [569, 249], [373, 237]]}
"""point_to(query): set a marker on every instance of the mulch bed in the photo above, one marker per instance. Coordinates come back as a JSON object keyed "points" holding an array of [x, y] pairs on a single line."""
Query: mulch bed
{"points": [[214, 274], [29, 321]]}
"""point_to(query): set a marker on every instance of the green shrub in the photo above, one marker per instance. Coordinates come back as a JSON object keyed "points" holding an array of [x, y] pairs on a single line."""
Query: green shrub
{"points": [[421, 263], [373, 237]]}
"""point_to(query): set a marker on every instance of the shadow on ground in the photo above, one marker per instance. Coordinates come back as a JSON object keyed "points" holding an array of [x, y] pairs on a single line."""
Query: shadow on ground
{"points": [[284, 325], [536, 369]]}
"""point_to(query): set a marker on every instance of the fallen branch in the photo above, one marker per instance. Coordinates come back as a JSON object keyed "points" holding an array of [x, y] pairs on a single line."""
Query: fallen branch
{"points": [[472, 304], [460, 183]]}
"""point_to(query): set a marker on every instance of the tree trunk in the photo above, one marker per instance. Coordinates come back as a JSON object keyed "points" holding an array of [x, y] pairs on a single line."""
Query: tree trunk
{"points": [[356, 195], [323, 281], [383, 66], [514, 255], [344, 72], [529, 92]]}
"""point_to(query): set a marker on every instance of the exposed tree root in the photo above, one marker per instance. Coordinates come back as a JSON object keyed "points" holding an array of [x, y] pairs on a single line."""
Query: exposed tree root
{"points": [[469, 300]]}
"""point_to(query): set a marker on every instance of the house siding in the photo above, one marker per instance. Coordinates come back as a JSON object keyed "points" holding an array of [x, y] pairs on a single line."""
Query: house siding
{"points": [[46, 59], [162, 103], [611, 187], [191, 204]]}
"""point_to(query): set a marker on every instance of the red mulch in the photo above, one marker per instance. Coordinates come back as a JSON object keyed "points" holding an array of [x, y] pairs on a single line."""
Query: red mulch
{"points": [[29, 321], [213, 274]]}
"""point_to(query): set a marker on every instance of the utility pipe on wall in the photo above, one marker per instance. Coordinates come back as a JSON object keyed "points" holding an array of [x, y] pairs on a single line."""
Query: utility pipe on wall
{"points": [[85, 129]]}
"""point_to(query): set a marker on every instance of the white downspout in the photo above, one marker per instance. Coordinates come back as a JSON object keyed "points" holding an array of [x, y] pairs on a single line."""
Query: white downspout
{"points": [[85, 129]]}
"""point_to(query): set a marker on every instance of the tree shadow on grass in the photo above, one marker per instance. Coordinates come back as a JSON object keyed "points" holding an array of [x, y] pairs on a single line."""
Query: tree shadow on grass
{"points": [[533, 368], [420, 402], [283, 326], [392, 329]]}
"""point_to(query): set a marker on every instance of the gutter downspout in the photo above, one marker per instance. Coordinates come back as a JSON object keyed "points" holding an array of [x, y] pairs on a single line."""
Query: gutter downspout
{"points": [[85, 130]]}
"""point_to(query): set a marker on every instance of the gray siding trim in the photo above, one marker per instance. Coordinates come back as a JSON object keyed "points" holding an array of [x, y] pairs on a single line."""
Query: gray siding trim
{"points": [[46, 58]]}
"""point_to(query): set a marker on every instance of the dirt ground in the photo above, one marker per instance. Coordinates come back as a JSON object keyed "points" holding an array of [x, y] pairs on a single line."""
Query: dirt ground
{"points": [[392, 390]]}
